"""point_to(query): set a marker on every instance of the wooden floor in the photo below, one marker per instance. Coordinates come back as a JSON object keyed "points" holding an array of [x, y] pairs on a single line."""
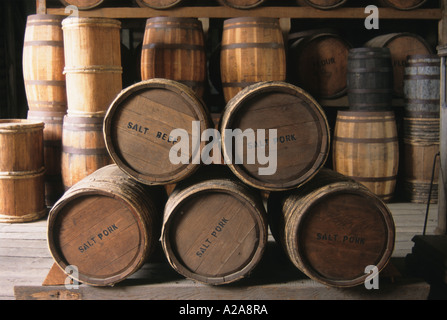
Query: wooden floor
{"points": [[25, 262]]}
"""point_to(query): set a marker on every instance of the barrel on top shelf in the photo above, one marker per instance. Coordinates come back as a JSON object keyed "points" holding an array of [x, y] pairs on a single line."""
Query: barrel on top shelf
{"points": [[159, 4], [318, 62], [242, 4], [84, 4], [252, 51], [332, 229], [366, 149], [402, 4], [137, 130], [401, 45], [421, 127], [299, 149], [322, 4], [174, 48], [22, 168], [107, 226], [215, 228], [370, 79]]}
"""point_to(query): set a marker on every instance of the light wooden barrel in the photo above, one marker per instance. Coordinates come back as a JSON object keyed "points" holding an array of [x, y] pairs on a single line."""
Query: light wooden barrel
{"points": [[107, 226], [242, 4], [370, 79], [322, 4], [52, 145], [159, 4], [401, 45], [22, 168], [214, 227], [252, 51], [302, 135], [43, 63], [366, 149], [403, 4], [83, 148], [83, 4], [421, 127], [138, 125], [318, 63], [92, 64], [332, 229], [174, 48]]}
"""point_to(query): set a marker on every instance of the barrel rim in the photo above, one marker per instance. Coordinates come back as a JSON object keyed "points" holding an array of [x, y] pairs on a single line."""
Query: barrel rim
{"points": [[14, 125], [46, 17], [73, 194], [99, 2], [340, 3], [334, 189], [232, 5], [187, 94], [143, 4], [173, 206], [194, 21], [75, 22], [247, 94], [251, 19]]}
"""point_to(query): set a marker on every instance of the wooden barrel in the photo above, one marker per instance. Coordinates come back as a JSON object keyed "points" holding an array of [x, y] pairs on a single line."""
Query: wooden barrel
{"points": [[242, 4], [43, 63], [83, 148], [302, 141], [174, 48], [322, 4], [158, 4], [332, 229], [401, 45], [370, 79], [366, 149], [318, 63], [421, 127], [214, 227], [52, 145], [252, 51], [83, 4], [22, 168], [92, 64], [402, 4], [107, 226], [138, 127]]}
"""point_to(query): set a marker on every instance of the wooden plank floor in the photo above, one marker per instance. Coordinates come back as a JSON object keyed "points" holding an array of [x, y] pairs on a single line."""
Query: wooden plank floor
{"points": [[25, 262]]}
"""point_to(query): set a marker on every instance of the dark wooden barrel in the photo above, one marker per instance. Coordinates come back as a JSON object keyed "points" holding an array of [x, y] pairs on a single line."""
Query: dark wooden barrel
{"points": [[107, 226], [159, 4], [242, 4], [332, 229], [174, 48], [215, 228], [366, 149], [322, 4], [302, 141], [421, 125], [252, 51], [370, 79], [84, 4], [403, 4], [138, 128], [318, 63]]}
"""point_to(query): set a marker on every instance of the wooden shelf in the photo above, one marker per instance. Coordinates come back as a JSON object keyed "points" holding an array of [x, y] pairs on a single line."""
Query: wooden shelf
{"points": [[277, 12]]}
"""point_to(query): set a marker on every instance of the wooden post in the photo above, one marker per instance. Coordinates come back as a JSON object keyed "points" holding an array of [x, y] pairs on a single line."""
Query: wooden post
{"points": [[41, 6]]}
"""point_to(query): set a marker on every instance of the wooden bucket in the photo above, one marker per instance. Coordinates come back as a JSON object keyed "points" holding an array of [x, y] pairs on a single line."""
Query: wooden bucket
{"points": [[403, 4], [83, 4], [302, 135], [214, 227], [242, 4], [22, 188], [401, 45], [174, 48], [92, 64], [370, 79], [366, 149], [107, 226], [83, 148], [322, 4], [158, 4], [43, 63], [252, 51], [318, 63], [138, 124], [52, 145], [421, 127], [332, 229]]}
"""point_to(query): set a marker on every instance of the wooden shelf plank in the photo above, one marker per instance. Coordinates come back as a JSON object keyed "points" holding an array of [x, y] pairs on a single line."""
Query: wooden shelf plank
{"points": [[277, 12]]}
